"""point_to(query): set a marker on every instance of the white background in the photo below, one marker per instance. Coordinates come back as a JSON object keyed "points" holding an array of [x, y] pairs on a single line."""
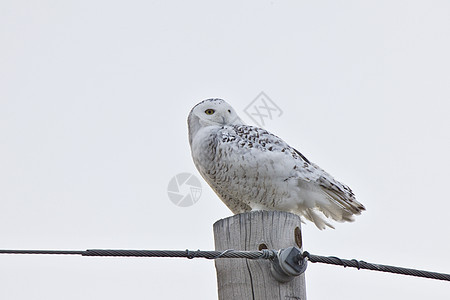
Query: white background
{"points": [[94, 97]]}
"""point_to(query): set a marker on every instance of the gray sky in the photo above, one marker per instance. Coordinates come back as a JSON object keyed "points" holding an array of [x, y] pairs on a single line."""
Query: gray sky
{"points": [[94, 97]]}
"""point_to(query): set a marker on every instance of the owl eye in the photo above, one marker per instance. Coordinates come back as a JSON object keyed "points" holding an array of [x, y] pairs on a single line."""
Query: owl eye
{"points": [[209, 111]]}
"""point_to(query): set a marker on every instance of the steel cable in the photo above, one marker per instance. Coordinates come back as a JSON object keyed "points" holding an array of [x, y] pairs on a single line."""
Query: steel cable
{"points": [[264, 254]]}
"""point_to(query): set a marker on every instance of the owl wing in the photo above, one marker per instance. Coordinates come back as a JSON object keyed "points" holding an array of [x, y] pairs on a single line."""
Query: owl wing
{"points": [[318, 188]]}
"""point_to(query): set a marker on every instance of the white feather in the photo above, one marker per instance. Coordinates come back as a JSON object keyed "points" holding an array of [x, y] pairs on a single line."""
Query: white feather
{"points": [[250, 168]]}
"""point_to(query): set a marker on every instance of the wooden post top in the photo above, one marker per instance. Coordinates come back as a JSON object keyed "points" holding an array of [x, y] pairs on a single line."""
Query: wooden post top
{"points": [[252, 231]]}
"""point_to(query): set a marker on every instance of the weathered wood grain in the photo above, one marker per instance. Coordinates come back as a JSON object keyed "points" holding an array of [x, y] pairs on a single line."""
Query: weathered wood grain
{"points": [[251, 279]]}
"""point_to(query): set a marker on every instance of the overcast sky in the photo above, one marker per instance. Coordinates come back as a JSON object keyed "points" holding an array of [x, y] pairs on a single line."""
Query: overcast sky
{"points": [[94, 97]]}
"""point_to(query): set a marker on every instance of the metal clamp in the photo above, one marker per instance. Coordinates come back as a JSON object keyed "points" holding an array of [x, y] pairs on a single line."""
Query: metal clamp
{"points": [[287, 264]]}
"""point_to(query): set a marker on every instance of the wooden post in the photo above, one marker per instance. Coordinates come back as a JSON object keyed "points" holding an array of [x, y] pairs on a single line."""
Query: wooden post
{"points": [[251, 279]]}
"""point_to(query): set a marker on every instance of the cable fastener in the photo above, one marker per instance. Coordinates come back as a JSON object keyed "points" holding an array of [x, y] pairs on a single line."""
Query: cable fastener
{"points": [[288, 264]]}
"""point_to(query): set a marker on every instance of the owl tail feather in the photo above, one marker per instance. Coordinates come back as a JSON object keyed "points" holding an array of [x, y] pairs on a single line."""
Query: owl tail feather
{"points": [[312, 215], [321, 211]]}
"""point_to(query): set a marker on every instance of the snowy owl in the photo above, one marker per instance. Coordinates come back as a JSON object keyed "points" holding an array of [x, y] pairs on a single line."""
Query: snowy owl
{"points": [[251, 169]]}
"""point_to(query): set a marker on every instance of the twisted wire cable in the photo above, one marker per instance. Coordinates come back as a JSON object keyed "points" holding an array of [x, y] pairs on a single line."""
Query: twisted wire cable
{"points": [[360, 264], [265, 254], [230, 253]]}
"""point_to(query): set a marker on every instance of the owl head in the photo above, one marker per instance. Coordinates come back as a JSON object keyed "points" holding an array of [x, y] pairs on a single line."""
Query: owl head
{"points": [[211, 112]]}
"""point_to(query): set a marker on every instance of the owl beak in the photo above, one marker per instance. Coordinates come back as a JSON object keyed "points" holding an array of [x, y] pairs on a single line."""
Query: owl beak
{"points": [[223, 120]]}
